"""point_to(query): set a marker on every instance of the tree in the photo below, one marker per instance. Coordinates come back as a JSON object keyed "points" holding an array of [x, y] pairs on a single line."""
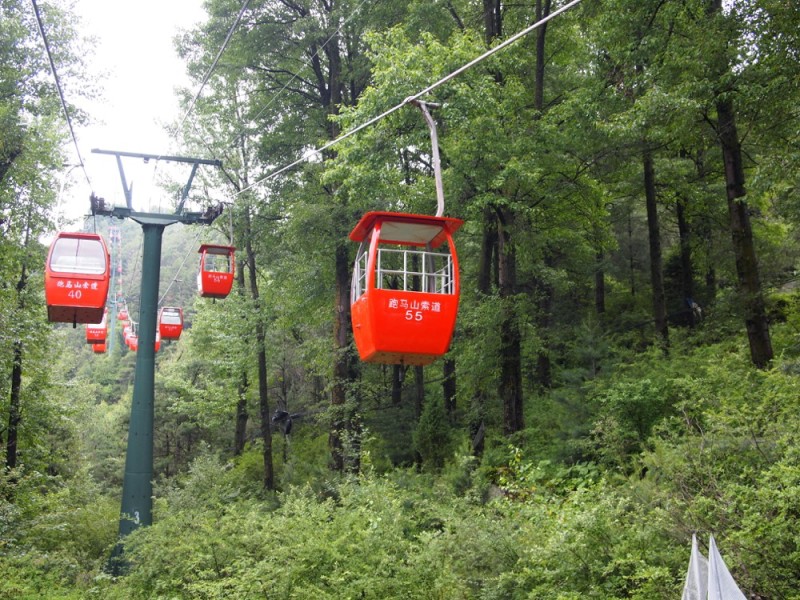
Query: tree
{"points": [[29, 158], [740, 227]]}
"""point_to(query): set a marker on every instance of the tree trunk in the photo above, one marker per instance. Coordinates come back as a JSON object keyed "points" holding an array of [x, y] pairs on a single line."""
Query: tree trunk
{"points": [[343, 422], [240, 433], [631, 256], [687, 280], [14, 411], [240, 427], [710, 278], [449, 388], [755, 317], [340, 367], [261, 359], [264, 411], [543, 289], [15, 400], [510, 342], [419, 403], [654, 235], [545, 296], [599, 284], [492, 20], [542, 11], [487, 274], [397, 383], [488, 256]]}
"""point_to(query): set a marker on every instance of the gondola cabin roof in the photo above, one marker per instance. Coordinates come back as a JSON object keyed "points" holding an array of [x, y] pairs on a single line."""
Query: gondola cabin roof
{"points": [[406, 229], [216, 249]]}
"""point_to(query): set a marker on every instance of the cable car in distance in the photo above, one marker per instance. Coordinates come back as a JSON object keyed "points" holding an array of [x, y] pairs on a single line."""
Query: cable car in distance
{"points": [[99, 348], [76, 278], [96, 333], [217, 268], [170, 322], [405, 287]]}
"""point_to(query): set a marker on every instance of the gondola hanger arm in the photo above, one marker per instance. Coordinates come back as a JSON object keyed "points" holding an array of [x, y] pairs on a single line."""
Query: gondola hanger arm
{"points": [[437, 164]]}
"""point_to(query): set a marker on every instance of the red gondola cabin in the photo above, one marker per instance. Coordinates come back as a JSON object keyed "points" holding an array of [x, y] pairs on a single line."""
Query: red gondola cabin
{"points": [[99, 348], [170, 322], [217, 267], [405, 288], [97, 333], [76, 278]]}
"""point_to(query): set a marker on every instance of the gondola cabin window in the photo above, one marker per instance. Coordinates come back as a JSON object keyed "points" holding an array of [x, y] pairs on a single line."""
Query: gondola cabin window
{"points": [[405, 287], [79, 256]]}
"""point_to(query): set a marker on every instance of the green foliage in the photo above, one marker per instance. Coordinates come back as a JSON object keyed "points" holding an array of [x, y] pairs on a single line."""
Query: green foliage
{"points": [[404, 537], [432, 437], [53, 534], [627, 413]]}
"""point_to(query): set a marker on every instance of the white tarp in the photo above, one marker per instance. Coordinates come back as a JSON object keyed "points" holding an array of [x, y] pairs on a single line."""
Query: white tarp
{"points": [[709, 579], [696, 586], [721, 585]]}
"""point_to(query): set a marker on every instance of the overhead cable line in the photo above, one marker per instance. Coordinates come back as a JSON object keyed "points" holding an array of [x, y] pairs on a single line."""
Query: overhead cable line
{"points": [[58, 87], [410, 99], [213, 64]]}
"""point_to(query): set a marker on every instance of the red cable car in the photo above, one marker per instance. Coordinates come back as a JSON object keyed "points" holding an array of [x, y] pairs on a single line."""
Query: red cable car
{"points": [[405, 288], [170, 322], [97, 333], [76, 278], [99, 348], [123, 315], [217, 267]]}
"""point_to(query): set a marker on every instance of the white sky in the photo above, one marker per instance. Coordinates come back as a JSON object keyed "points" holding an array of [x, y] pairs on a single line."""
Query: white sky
{"points": [[137, 72]]}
